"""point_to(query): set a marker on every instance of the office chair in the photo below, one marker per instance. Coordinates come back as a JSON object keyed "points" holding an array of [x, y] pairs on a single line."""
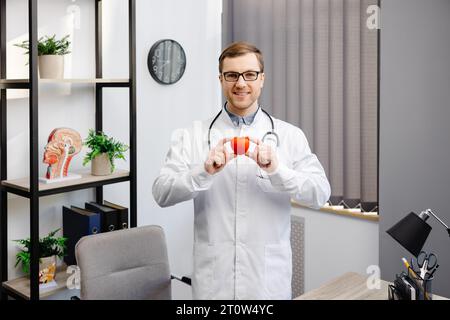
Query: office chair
{"points": [[128, 264]]}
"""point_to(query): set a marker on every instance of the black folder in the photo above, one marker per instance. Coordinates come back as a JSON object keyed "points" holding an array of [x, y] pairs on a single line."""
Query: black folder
{"points": [[123, 214], [77, 223], [108, 216]]}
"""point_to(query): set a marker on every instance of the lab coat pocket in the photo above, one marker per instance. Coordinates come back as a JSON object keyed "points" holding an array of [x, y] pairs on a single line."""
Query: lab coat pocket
{"points": [[202, 279], [263, 181], [264, 184], [278, 271]]}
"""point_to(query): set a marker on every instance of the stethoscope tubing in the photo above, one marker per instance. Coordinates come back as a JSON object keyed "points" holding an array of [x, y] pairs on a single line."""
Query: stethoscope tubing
{"points": [[265, 135]]}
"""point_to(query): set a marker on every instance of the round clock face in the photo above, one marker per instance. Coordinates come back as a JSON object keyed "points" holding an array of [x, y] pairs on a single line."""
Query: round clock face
{"points": [[166, 61]]}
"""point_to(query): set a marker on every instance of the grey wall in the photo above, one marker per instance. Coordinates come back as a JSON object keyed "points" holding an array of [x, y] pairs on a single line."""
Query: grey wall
{"points": [[414, 126]]}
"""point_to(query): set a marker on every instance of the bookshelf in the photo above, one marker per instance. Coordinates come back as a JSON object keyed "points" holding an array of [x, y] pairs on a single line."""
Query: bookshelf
{"points": [[29, 187]]}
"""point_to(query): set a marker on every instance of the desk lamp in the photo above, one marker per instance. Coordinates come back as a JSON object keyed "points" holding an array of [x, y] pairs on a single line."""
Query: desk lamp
{"points": [[412, 231]]}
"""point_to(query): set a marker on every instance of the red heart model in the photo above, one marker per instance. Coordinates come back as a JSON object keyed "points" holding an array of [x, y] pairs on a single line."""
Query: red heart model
{"points": [[240, 145]]}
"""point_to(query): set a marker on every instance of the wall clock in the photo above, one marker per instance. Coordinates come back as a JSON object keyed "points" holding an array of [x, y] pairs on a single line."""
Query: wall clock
{"points": [[166, 61]]}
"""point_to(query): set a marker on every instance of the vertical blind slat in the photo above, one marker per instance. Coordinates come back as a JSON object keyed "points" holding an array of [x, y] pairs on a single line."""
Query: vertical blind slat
{"points": [[292, 65], [321, 81], [336, 174], [248, 29], [352, 100], [227, 22], [279, 60], [265, 24], [307, 69], [369, 114]]}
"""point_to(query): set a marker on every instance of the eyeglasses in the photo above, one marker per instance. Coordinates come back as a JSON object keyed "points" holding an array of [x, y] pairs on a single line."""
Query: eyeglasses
{"points": [[232, 76]]}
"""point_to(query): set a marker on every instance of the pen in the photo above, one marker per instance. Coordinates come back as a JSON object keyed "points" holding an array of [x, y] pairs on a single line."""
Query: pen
{"points": [[406, 263], [409, 267]]}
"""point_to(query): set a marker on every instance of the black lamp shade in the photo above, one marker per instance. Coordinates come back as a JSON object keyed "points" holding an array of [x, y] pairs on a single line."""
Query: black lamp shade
{"points": [[411, 232]]}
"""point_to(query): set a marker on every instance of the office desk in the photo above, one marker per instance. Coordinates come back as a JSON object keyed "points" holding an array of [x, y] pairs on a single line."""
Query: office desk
{"points": [[350, 286]]}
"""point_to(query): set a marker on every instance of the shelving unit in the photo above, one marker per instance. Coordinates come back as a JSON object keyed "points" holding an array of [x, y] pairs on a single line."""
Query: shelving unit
{"points": [[28, 288]]}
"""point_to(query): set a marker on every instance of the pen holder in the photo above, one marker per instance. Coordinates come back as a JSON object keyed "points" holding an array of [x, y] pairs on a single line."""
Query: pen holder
{"points": [[424, 287], [410, 286], [393, 293]]}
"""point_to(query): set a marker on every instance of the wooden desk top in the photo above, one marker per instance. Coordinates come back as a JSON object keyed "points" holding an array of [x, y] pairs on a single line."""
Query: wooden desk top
{"points": [[350, 286]]}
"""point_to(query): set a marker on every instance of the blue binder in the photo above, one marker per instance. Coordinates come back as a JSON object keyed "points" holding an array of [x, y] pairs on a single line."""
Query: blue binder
{"points": [[77, 223], [108, 216]]}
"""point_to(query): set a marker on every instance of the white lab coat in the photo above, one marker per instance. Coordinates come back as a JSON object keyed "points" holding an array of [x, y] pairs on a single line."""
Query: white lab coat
{"points": [[242, 222]]}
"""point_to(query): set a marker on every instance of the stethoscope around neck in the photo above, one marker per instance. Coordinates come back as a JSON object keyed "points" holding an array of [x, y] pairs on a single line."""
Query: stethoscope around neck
{"points": [[266, 135]]}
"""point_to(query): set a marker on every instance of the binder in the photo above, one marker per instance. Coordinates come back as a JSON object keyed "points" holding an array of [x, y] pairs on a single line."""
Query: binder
{"points": [[108, 216], [77, 223], [122, 214]]}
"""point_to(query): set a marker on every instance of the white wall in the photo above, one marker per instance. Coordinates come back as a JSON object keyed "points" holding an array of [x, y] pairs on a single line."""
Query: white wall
{"points": [[335, 245], [196, 25]]}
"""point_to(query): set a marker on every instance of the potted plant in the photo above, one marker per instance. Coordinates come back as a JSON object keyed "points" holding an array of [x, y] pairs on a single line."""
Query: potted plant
{"points": [[50, 54], [104, 150], [50, 247]]}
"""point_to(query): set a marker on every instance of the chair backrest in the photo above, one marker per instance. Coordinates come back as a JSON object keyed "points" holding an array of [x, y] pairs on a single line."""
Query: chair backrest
{"points": [[129, 264]]}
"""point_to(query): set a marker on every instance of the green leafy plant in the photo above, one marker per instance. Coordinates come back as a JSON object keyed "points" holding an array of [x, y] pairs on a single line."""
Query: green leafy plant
{"points": [[48, 246], [48, 45], [100, 143]]}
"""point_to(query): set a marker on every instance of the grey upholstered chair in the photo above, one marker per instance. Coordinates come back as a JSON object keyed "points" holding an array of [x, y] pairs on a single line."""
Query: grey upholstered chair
{"points": [[125, 264]]}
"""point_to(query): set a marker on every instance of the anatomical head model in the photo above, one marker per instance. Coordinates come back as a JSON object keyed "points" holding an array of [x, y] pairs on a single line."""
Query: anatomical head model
{"points": [[62, 145]]}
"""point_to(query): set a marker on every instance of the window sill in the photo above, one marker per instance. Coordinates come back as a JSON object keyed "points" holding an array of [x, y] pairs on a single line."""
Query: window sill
{"points": [[339, 210]]}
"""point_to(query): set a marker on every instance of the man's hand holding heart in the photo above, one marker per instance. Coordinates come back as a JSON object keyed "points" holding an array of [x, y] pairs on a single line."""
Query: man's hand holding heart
{"points": [[264, 155]]}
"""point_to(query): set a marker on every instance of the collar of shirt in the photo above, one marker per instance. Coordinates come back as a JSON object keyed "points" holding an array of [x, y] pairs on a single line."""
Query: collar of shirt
{"points": [[238, 120]]}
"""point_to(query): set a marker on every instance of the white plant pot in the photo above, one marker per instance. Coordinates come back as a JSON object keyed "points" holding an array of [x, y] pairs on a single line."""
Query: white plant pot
{"points": [[101, 166], [51, 66]]}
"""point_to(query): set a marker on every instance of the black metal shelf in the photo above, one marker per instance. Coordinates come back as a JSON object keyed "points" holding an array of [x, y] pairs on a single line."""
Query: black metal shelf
{"points": [[19, 288], [11, 293], [14, 84], [21, 187], [30, 187], [25, 83]]}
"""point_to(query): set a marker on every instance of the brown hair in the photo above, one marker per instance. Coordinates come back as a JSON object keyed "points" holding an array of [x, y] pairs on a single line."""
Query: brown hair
{"points": [[238, 49]]}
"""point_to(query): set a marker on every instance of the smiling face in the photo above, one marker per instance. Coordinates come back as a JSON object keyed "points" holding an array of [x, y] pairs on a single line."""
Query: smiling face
{"points": [[242, 96]]}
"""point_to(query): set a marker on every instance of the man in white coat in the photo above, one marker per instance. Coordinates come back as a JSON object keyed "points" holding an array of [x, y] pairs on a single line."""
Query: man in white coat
{"points": [[242, 206]]}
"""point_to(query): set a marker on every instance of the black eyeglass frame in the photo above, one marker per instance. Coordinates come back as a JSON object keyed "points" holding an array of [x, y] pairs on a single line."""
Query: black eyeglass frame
{"points": [[240, 74]]}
